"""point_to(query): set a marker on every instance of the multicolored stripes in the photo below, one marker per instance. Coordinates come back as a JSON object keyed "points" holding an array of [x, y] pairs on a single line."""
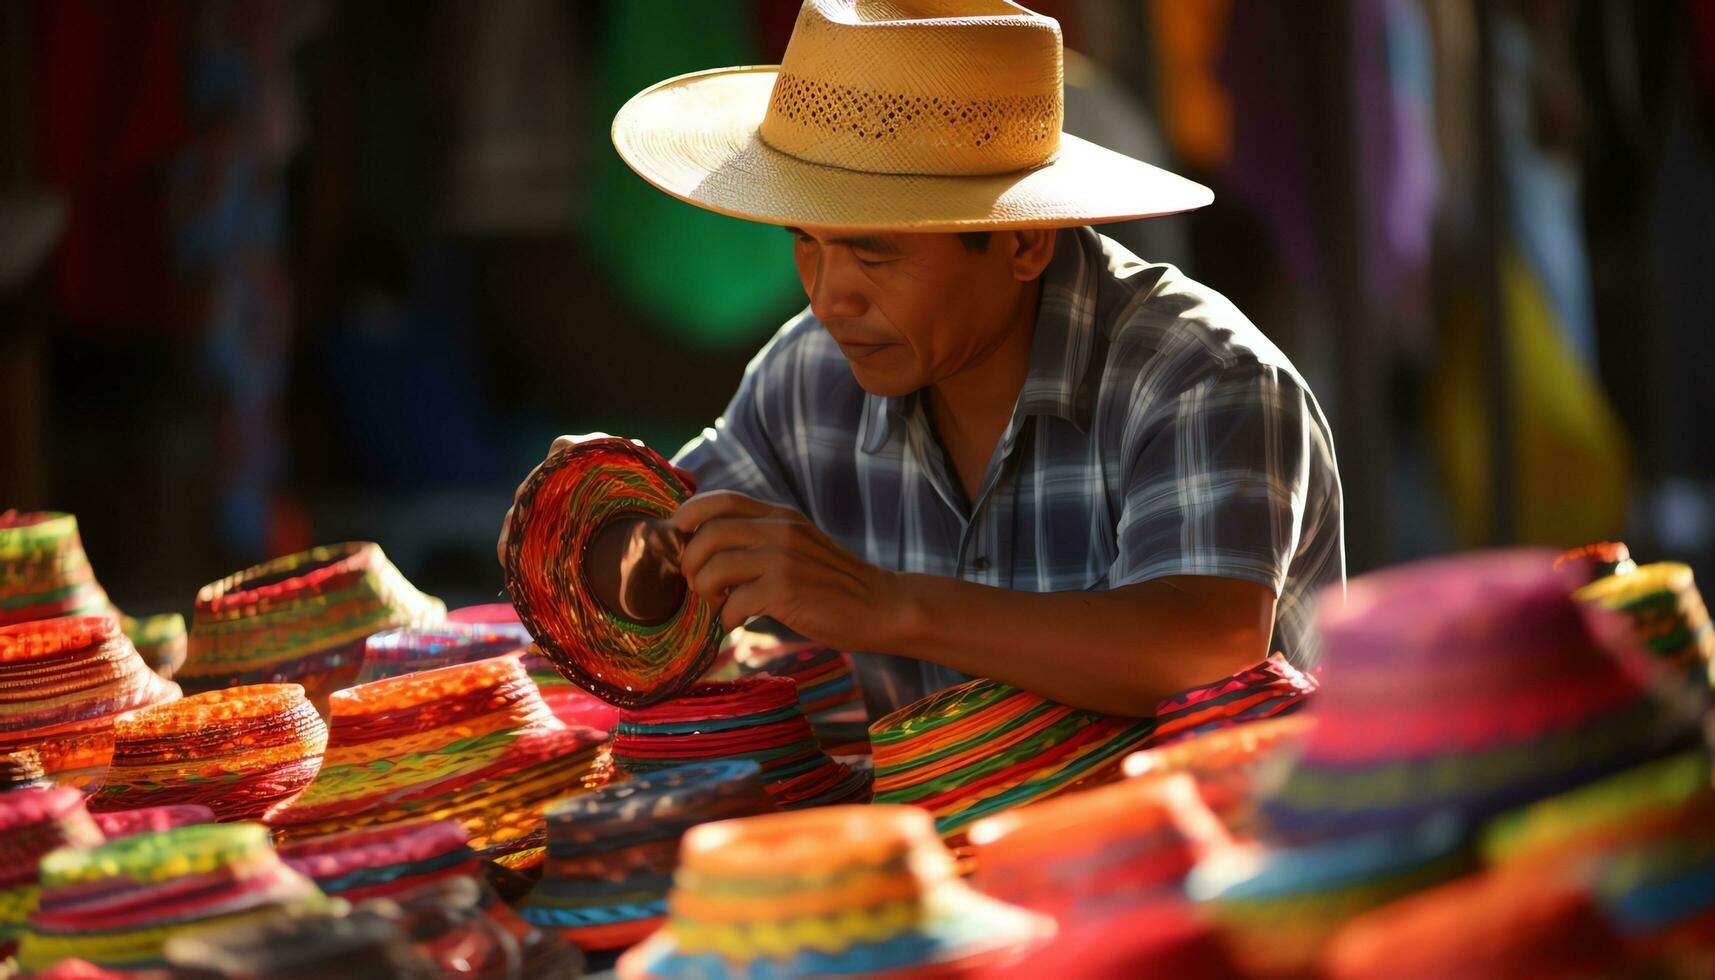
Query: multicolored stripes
{"points": [[565, 502], [382, 861], [62, 684], [756, 719], [33, 823], [472, 743], [612, 850], [302, 618], [829, 892], [116, 904], [239, 752]]}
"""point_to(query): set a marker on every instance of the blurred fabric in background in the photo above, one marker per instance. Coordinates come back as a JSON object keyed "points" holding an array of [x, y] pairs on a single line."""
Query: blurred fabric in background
{"points": [[279, 273]]}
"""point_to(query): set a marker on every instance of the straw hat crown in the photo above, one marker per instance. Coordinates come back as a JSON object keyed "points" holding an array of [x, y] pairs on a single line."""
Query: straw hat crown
{"points": [[932, 87]]}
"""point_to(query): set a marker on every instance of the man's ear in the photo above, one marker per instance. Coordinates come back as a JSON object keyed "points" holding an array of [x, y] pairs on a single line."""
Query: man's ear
{"points": [[1032, 249]]}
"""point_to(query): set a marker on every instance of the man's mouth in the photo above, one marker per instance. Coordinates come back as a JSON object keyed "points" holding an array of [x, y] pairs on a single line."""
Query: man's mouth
{"points": [[858, 352]]}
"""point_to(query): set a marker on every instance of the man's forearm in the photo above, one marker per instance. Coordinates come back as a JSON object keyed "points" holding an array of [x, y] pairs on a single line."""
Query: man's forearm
{"points": [[1118, 652]]}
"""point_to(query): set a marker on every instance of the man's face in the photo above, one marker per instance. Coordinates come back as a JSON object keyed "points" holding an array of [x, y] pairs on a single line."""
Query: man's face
{"points": [[908, 310]]}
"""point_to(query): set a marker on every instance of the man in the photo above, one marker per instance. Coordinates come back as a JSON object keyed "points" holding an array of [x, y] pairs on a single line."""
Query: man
{"points": [[996, 444]]}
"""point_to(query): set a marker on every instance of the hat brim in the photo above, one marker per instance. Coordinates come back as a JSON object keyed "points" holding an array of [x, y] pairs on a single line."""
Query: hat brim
{"points": [[696, 137]]}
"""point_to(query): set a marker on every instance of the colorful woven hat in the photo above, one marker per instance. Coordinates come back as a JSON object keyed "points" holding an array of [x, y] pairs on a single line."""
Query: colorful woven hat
{"points": [[980, 747], [1228, 764], [571, 497], [385, 860], [837, 891], [1470, 685], [1644, 838], [147, 820], [1482, 927], [301, 619], [34, 822], [612, 850], [827, 688], [238, 752], [1666, 611], [1091, 853], [116, 904], [756, 719], [22, 769], [406, 651], [62, 684], [45, 574], [472, 743], [289, 947], [569, 703], [1277, 907]]}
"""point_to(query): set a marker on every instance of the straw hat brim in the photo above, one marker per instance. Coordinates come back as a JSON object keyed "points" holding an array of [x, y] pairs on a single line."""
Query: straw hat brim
{"points": [[695, 137]]}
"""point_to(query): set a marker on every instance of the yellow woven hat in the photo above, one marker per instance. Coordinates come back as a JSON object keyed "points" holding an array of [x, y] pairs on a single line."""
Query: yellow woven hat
{"points": [[909, 115]]}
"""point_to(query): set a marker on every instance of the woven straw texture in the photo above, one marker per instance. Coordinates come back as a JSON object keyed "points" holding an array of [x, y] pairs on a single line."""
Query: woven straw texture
{"points": [[569, 498], [301, 619], [933, 116]]}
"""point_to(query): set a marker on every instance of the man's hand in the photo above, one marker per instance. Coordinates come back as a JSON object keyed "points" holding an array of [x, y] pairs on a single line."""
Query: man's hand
{"points": [[756, 559], [554, 447]]}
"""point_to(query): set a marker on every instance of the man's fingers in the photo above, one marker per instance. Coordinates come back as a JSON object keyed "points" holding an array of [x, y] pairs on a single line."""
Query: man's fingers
{"points": [[732, 533], [725, 503], [745, 603], [726, 571]]}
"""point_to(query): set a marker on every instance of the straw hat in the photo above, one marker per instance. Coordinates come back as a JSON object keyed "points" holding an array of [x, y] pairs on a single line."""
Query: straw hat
{"points": [[918, 115]]}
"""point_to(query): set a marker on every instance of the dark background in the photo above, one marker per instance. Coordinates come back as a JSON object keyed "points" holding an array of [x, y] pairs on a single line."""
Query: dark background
{"points": [[282, 273]]}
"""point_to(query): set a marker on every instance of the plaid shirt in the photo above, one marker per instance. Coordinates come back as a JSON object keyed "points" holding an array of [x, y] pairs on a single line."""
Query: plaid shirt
{"points": [[1158, 433]]}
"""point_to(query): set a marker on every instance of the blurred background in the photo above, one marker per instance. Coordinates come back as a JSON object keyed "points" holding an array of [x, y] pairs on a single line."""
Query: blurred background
{"points": [[281, 273]]}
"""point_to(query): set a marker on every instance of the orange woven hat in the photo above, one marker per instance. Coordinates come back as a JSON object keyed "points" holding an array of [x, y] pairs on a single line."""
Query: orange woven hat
{"points": [[908, 115]]}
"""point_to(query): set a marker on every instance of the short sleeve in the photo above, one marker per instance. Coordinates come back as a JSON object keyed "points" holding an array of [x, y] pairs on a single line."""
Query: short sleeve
{"points": [[737, 452], [1217, 483]]}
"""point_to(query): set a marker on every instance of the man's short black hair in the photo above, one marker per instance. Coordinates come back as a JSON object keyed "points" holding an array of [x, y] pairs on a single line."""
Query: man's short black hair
{"points": [[975, 241]]}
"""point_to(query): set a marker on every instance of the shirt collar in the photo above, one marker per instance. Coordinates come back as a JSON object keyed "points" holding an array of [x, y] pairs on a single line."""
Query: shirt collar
{"points": [[1058, 382]]}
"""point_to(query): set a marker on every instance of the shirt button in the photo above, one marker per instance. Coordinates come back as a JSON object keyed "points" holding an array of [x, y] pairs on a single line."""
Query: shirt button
{"points": [[980, 563]]}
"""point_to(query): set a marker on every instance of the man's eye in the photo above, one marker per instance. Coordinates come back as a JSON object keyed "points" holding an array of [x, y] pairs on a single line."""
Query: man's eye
{"points": [[873, 262]]}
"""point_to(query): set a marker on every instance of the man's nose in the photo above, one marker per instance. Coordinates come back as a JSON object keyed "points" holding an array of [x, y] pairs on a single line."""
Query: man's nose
{"points": [[835, 295]]}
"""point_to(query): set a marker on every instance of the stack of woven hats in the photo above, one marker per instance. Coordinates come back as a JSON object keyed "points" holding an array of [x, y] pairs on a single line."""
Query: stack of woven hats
{"points": [[1467, 687], [33, 823], [982, 746], [612, 850], [827, 688], [44, 574], [758, 719], [569, 703], [472, 743], [116, 904], [405, 651], [62, 684], [301, 619], [828, 892], [238, 752]]}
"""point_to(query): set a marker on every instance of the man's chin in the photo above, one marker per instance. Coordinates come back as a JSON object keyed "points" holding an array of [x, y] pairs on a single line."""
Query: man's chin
{"points": [[883, 384]]}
